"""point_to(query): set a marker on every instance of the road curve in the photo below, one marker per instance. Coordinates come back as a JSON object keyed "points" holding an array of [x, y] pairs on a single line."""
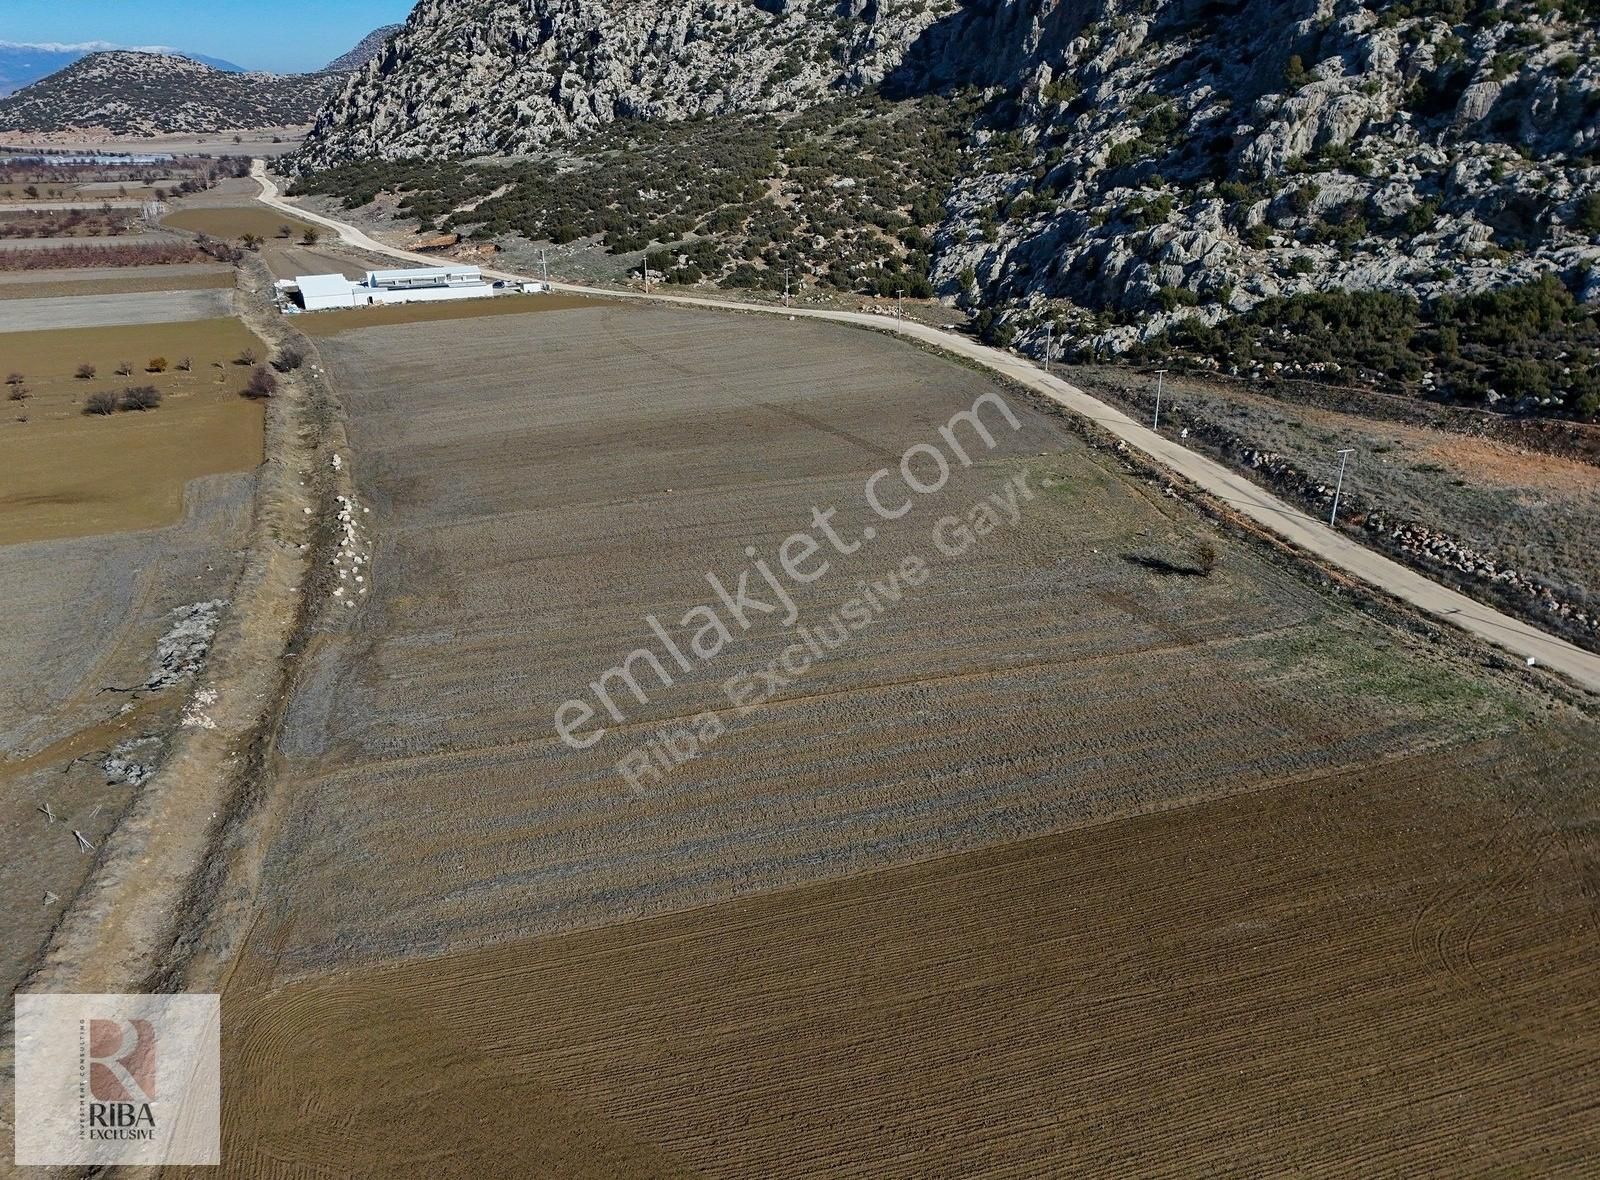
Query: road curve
{"points": [[1521, 639]]}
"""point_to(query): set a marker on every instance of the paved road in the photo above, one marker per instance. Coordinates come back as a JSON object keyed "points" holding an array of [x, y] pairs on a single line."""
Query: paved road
{"points": [[1336, 548]]}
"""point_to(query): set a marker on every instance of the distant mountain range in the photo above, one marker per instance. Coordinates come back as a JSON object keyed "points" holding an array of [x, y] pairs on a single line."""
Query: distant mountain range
{"points": [[156, 91], [22, 63], [128, 92]]}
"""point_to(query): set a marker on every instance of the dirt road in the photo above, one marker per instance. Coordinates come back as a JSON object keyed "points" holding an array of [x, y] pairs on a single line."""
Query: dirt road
{"points": [[1334, 547]]}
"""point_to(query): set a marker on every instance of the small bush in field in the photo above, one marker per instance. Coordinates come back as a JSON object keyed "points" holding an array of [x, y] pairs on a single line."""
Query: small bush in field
{"points": [[125, 369], [86, 372], [156, 364], [262, 383], [141, 397], [103, 403]]}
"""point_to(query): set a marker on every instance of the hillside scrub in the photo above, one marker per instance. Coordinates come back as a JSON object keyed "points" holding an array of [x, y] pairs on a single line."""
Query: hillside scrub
{"points": [[846, 195], [1532, 343]]}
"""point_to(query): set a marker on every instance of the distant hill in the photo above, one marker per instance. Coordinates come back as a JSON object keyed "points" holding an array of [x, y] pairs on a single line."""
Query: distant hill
{"points": [[22, 64], [216, 63], [129, 92], [362, 53]]}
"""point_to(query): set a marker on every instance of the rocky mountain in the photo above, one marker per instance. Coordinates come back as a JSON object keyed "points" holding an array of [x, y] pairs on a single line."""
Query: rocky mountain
{"points": [[477, 76], [367, 49], [1122, 174], [22, 63], [131, 92]]}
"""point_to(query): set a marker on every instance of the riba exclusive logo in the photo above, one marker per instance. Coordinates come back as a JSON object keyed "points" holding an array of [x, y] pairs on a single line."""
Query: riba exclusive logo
{"points": [[121, 1058], [117, 1079]]}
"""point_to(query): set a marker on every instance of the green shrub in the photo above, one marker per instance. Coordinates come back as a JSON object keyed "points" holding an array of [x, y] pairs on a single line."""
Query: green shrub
{"points": [[1588, 215]]}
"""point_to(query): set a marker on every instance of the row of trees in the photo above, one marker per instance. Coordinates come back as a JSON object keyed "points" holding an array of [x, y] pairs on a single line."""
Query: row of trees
{"points": [[254, 241]]}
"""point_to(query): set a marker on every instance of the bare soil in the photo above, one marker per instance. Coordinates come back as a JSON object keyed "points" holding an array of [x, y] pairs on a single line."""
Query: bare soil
{"points": [[234, 221], [87, 308], [331, 323], [1378, 972], [1244, 879], [84, 615]]}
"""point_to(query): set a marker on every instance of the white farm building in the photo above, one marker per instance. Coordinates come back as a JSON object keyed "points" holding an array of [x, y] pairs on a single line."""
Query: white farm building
{"points": [[381, 287]]}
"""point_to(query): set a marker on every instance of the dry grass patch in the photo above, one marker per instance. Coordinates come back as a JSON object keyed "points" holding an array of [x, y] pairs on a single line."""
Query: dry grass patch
{"points": [[69, 474]]}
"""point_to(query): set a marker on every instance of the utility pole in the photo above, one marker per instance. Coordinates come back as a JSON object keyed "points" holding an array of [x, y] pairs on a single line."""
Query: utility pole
{"points": [[900, 303], [1049, 342], [1344, 457], [544, 266], [1161, 380], [786, 286]]}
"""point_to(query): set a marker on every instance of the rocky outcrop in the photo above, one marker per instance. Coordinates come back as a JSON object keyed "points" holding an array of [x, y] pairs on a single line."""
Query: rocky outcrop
{"points": [[368, 48], [494, 77], [127, 92], [1190, 159], [1136, 163]]}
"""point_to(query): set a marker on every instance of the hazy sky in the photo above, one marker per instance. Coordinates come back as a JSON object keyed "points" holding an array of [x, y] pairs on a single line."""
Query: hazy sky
{"points": [[282, 35]]}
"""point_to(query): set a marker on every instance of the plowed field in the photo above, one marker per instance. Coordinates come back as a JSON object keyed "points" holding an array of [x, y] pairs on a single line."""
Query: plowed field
{"points": [[1077, 859]]}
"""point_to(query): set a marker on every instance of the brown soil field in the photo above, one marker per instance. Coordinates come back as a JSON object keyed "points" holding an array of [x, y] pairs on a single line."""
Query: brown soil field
{"points": [[287, 260], [70, 475], [1063, 864], [1377, 973], [84, 614], [333, 322], [234, 221], [108, 282]]}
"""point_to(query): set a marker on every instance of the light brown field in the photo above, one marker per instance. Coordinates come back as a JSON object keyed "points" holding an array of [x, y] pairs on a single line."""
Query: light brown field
{"points": [[1060, 866], [333, 322], [86, 309], [66, 474], [48, 285], [229, 221], [88, 191], [83, 614]]}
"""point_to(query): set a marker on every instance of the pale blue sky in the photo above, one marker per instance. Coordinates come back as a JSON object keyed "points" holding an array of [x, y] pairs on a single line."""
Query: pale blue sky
{"points": [[282, 35]]}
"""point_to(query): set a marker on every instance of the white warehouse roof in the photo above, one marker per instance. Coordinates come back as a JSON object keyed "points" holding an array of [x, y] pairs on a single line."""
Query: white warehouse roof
{"points": [[423, 272], [324, 286]]}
